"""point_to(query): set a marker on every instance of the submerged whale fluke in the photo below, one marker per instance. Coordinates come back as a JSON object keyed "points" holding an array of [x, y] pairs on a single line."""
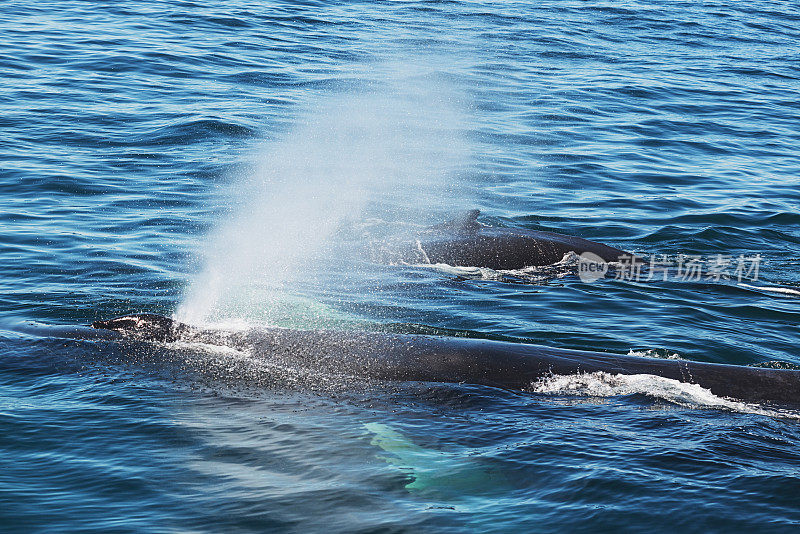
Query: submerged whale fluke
{"points": [[449, 359]]}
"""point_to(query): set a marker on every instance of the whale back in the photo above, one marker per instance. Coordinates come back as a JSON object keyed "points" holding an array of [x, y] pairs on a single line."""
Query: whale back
{"points": [[148, 326], [465, 242], [464, 223], [409, 357]]}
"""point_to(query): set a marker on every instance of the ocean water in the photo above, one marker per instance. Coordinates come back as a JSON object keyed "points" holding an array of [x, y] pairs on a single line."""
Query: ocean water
{"points": [[202, 159]]}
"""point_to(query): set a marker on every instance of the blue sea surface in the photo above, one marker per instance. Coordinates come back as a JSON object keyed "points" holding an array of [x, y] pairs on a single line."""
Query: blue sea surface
{"points": [[198, 158]]}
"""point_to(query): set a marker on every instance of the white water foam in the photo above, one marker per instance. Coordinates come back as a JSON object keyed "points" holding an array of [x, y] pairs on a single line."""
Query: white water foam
{"points": [[655, 353], [601, 384], [533, 274], [773, 289]]}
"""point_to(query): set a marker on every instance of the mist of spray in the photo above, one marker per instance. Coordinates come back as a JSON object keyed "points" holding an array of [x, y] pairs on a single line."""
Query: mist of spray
{"points": [[397, 147]]}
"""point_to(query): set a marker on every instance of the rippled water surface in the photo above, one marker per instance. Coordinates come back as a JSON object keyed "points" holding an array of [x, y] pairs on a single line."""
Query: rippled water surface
{"points": [[200, 159]]}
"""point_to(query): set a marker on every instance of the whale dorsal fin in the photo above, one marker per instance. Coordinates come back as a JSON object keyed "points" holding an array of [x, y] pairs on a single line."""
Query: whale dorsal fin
{"points": [[465, 222]]}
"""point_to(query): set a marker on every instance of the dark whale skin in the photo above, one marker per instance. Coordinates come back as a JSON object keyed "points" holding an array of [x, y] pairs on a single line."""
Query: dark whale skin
{"points": [[504, 248], [465, 242], [426, 358]]}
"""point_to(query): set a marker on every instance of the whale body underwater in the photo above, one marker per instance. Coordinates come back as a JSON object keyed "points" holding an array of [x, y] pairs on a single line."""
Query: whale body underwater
{"points": [[464, 241], [425, 358]]}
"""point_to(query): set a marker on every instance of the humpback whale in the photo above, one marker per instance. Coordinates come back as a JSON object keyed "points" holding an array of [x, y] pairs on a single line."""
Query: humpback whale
{"points": [[465, 242], [425, 358]]}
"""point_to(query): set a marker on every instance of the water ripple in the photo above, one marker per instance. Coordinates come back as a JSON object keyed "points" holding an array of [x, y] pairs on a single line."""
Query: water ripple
{"points": [[130, 130]]}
